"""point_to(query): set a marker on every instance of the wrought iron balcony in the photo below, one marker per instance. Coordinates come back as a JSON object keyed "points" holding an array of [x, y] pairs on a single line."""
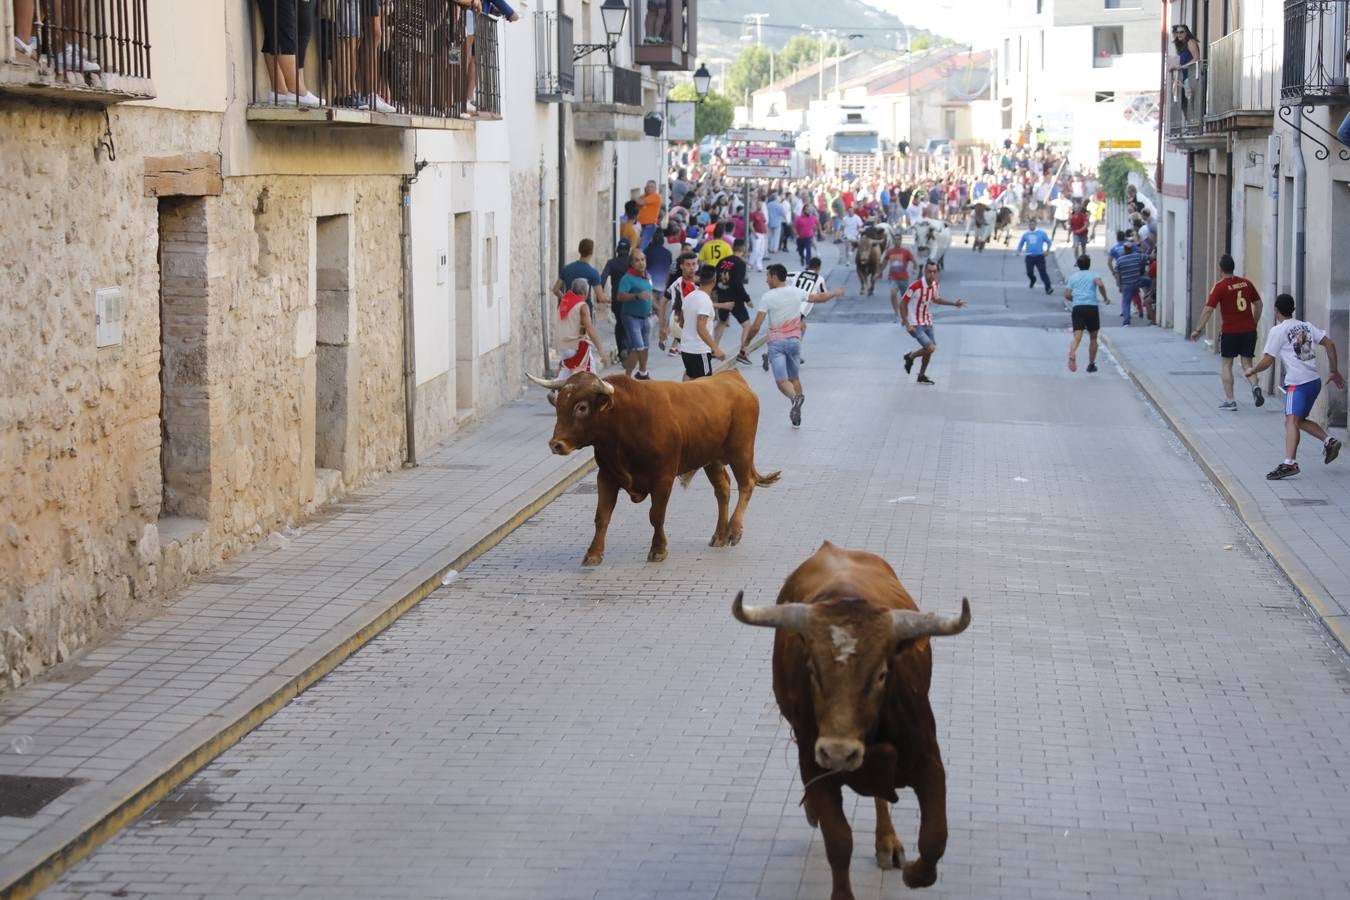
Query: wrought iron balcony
{"points": [[608, 105], [555, 71], [1186, 102], [95, 51], [604, 84], [665, 35], [414, 65], [1315, 38], [1241, 82]]}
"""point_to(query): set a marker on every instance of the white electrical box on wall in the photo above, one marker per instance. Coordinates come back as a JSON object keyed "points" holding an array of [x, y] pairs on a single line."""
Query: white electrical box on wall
{"points": [[442, 266], [108, 317]]}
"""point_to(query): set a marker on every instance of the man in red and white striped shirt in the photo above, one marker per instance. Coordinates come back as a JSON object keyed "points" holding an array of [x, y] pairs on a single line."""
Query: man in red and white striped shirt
{"points": [[924, 294]]}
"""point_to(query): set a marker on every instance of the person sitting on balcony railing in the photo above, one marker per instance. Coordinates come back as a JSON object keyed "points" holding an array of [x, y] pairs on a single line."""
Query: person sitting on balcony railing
{"points": [[287, 25], [1187, 61]]}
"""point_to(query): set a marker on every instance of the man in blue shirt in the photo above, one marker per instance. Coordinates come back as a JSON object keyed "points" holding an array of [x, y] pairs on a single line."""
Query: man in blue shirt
{"points": [[1036, 242], [1129, 270], [582, 268], [1084, 289]]}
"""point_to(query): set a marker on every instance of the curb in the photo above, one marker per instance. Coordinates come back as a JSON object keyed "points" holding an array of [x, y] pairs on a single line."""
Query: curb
{"points": [[297, 674], [1303, 580]]}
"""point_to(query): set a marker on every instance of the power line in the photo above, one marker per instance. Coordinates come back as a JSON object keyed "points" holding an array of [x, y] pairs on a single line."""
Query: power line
{"points": [[805, 28]]}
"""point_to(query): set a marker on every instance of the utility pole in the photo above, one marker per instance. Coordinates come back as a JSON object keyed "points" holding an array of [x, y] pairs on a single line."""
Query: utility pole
{"points": [[759, 26]]}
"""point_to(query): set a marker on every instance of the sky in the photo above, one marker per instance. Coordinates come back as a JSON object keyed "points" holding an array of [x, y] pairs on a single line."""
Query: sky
{"points": [[956, 19]]}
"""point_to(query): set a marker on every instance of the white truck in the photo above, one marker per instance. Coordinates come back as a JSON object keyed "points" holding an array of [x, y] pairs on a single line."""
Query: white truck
{"points": [[854, 146]]}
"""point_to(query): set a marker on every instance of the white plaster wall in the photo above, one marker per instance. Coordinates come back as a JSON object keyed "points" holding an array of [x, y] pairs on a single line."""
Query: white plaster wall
{"points": [[188, 54]]}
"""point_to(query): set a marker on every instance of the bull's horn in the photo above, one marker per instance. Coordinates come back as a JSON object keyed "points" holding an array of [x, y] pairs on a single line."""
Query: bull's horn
{"points": [[546, 383], [907, 624], [791, 616], [603, 387]]}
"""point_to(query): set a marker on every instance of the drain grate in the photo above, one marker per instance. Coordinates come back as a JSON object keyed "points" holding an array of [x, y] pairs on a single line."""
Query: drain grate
{"points": [[24, 796], [1303, 501]]}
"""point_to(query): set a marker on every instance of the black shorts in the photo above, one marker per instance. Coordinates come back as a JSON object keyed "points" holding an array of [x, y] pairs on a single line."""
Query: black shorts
{"points": [[1241, 344], [740, 311], [1087, 318], [697, 365]]}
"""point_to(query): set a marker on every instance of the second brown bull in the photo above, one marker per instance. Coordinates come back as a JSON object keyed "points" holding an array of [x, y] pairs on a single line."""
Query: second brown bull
{"points": [[647, 433]]}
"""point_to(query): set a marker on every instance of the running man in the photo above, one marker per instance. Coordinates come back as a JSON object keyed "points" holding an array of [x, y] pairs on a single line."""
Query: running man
{"points": [[924, 293], [575, 338], [897, 261], [698, 347], [1083, 290], [1036, 242], [812, 281], [782, 306], [680, 287], [732, 299], [1295, 344], [1240, 308]]}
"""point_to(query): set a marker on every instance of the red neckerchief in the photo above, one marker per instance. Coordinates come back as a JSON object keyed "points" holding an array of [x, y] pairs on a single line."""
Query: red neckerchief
{"points": [[632, 271], [568, 303]]}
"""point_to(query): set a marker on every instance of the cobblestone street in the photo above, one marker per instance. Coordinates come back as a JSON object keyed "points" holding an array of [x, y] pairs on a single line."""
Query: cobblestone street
{"points": [[1143, 706]]}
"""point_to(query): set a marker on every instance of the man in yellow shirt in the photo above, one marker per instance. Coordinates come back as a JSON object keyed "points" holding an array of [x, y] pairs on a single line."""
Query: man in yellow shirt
{"points": [[649, 212], [715, 250], [628, 224]]}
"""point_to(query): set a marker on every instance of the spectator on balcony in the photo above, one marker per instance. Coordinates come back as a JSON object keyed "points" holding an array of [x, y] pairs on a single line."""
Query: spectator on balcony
{"points": [[468, 9], [500, 9], [65, 25], [287, 26], [360, 32], [1187, 62], [657, 22], [25, 45]]}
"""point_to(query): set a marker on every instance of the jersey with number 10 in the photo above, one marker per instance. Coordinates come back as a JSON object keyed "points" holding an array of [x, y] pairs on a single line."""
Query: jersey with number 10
{"points": [[1234, 297]]}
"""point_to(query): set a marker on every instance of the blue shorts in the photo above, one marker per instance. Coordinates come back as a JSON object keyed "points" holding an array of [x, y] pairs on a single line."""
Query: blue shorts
{"points": [[1299, 398], [924, 335], [637, 331], [785, 358]]}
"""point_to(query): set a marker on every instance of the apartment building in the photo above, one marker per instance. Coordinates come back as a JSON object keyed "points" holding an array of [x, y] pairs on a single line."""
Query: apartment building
{"points": [[241, 303], [1253, 167], [1087, 69]]}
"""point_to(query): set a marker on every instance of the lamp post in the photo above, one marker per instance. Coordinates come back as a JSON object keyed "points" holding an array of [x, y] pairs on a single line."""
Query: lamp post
{"points": [[613, 14], [702, 80]]}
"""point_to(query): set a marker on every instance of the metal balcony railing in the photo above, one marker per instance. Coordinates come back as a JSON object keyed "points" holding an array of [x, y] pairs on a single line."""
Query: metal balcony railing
{"points": [[1186, 100], [416, 58], [555, 71], [84, 39], [616, 85], [1242, 74], [1315, 38]]}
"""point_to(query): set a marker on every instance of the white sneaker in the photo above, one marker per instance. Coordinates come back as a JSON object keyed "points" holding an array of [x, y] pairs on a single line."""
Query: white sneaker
{"points": [[377, 103], [75, 60], [309, 101], [470, 108], [286, 99]]}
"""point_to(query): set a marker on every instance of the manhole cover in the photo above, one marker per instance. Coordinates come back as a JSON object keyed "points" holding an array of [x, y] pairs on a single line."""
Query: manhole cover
{"points": [[1303, 501], [24, 796]]}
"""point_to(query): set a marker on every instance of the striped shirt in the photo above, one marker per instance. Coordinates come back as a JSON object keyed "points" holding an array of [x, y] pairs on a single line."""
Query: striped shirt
{"points": [[1130, 266], [810, 281], [923, 294]]}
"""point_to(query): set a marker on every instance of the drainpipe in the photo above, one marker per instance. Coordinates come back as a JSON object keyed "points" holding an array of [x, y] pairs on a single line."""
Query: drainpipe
{"points": [[1270, 258], [545, 312], [1190, 238], [562, 185], [1300, 212], [409, 350]]}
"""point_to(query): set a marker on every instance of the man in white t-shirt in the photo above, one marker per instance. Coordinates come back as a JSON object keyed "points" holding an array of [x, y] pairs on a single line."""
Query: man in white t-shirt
{"points": [[1295, 343], [852, 228], [812, 281], [698, 349], [782, 306]]}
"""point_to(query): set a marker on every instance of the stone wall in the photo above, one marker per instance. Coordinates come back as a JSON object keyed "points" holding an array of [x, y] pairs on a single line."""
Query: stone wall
{"points": [[91, 537]]}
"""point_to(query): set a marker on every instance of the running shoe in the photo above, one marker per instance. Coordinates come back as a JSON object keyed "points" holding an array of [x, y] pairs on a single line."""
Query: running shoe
{"points": [[924, 379], [909, 363], [1283, 470], [1228, 406], [742, 358], [764, 361], [643, 376], [1049, 291], [795, 412], [1330, 450], [1092, 367], [1257, 397]]}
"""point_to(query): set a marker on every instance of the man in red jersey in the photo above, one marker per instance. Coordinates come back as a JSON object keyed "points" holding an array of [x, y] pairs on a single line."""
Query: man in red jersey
{"points": [[1240, 306]]}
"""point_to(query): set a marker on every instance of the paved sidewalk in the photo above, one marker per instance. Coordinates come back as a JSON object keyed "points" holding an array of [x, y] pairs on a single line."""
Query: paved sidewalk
{"points": [[1303, 522], [135, 716]]}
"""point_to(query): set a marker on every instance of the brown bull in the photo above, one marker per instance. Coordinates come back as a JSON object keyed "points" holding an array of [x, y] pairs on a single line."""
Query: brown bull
{"points": [[851, 671], [868, 263], [1003, 225], [645, 433]]}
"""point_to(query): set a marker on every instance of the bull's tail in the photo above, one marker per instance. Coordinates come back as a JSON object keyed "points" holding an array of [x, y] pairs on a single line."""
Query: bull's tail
{"points": [[766, 480]]}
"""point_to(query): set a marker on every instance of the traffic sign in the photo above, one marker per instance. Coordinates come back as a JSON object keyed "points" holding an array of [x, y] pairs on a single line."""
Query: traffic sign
{"points": [[762, 135], [758, 171], [758, 153]]}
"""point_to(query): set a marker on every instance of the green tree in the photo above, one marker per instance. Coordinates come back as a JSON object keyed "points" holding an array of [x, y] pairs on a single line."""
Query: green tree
{"points": [[804, 50], [1114, 172], [748, 73], [712, 116], [924, 42]]}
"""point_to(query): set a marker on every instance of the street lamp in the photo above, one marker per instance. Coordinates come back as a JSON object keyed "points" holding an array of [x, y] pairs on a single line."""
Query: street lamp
{"points": [[613, 13], [702, 80]]}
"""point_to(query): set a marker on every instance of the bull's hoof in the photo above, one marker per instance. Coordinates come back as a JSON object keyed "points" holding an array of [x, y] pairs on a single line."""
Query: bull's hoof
{"points": [[890, 853], [919, 874], [734, 537], [718, 540], [656, 555], [593, 559]]}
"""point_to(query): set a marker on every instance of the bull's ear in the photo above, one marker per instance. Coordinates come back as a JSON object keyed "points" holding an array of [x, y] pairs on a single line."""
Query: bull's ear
{"points": [[553, 399]]}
